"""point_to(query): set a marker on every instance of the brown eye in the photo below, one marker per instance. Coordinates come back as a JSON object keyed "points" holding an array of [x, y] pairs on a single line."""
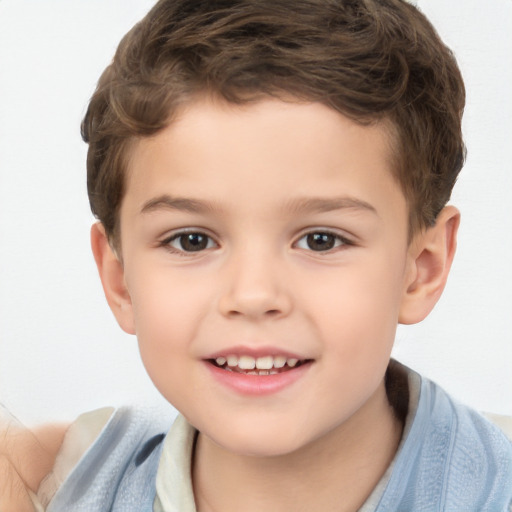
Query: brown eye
{"points": [[321, 241], [191, 242]]}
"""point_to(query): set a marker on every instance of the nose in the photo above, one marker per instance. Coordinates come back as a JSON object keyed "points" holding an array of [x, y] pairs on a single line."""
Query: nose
{"points": [[255, 288]]}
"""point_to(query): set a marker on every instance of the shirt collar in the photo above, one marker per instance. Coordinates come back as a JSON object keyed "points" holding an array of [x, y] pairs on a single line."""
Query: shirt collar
{"points": [[174, 478]]}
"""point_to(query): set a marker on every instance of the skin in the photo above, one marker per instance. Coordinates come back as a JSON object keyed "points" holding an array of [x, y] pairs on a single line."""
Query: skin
{"points": [[256, 180], [26, 457]]}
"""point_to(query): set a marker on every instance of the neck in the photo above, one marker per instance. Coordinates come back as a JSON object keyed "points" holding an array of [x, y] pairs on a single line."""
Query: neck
{"points": [[334, 473]]}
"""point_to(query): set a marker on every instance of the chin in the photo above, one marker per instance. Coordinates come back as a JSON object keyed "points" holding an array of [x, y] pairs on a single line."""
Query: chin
{"points": [[272, 442], [262, 449]]}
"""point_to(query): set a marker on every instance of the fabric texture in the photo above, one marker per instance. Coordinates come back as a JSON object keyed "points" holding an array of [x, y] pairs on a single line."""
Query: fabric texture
{"points": [[450, 459], [118, 472], [81, 434]]}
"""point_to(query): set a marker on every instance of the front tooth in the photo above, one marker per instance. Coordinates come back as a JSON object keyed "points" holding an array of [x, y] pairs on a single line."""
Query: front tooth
{"points": [[279, 361], [221, 361], [232, 360], [246, 363], [264, 363], [292, 362]]}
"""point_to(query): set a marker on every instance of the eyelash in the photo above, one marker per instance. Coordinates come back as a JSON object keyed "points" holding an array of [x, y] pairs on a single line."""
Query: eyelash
{"points": [[338, 242]]}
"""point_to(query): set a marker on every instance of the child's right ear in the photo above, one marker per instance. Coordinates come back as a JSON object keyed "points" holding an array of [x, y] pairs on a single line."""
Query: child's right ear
{"points": [[111, 273]]}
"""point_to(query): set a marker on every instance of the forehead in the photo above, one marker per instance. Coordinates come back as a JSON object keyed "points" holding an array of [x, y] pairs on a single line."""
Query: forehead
{"points": [[270, 151]]}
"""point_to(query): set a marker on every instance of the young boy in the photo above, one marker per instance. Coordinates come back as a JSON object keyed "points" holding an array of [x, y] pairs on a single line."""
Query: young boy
{"points": [[271, 181]]}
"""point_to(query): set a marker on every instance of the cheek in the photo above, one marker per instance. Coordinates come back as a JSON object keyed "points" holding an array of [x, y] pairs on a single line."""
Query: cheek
{"points": [[166, 302], [167, 309], [359, 308], [356, 324]]}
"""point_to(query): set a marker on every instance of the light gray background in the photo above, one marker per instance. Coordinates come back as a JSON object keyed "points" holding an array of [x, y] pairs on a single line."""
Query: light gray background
{"points": [[62, 353]]}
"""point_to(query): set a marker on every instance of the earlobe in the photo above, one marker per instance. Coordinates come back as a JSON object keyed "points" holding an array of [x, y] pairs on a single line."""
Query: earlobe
{"points": [[430, 257], [111, 273]]}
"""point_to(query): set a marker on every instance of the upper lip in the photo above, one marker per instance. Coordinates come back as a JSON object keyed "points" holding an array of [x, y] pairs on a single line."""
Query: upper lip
{"points": [[255, 352]]}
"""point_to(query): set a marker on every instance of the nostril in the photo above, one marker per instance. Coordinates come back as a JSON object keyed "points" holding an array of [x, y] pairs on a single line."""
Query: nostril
{"points": [[271, 313]]}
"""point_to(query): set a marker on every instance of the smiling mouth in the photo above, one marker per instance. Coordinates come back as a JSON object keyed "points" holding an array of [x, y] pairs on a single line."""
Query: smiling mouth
{"points": [[266, 365]]}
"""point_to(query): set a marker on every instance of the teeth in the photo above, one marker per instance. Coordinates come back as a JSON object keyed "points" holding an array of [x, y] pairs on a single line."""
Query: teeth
{"points": [[261, 363], [232, 360], [264, 363], [279, 361], [246, 363]]}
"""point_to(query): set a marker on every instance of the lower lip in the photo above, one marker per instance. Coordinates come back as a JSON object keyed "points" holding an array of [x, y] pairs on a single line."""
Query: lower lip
{"points": [[258, 385]]}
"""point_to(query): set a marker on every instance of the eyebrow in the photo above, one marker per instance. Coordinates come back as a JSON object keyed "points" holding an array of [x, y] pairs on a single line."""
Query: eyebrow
{"points": [[321, 205], [166, 202], [300, 205]]}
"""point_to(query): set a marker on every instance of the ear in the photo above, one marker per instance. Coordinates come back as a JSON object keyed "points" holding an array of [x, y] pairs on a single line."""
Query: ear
{"points": [[429, 260], [111, 273]]}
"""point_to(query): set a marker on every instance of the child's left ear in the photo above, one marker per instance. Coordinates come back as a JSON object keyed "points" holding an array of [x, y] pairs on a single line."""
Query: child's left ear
{"points": [[429, 260]]}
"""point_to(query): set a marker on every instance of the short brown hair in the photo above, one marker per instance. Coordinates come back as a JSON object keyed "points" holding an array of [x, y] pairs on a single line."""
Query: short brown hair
{"points": [[370, 60]]}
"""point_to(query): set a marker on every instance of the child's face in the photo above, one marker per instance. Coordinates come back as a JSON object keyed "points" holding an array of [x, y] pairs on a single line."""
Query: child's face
{"points": [[296, 247]]}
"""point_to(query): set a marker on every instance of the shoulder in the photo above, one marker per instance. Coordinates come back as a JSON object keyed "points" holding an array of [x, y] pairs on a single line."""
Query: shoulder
{"points": [[470, 432], [452, 458], [472, 457], [120, 459]]}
